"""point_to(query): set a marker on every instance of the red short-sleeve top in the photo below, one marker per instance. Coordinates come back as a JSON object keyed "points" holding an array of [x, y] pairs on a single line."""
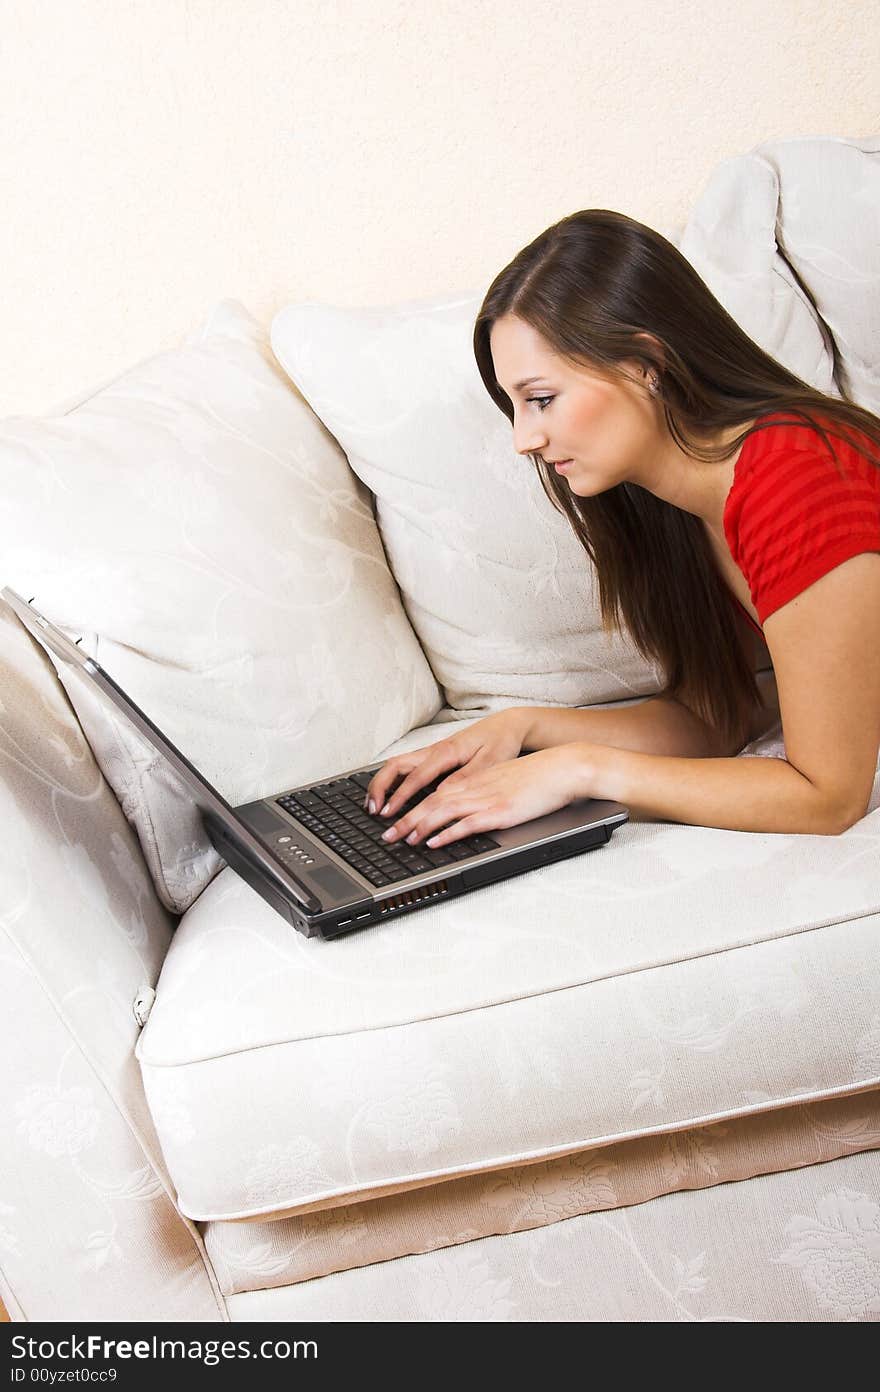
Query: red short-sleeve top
{"points": [[793, 514]]}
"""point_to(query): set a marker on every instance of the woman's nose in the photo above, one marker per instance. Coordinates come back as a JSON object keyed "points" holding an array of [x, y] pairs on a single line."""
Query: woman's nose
{"points": [[528, 440]]}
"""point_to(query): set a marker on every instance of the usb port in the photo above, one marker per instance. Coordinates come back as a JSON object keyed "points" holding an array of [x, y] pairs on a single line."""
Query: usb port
{"points": [[342, 922], [362, 916]]}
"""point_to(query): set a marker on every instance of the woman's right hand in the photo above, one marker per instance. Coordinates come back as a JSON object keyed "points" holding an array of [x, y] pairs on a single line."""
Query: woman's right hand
{"points": [[489, 741]]}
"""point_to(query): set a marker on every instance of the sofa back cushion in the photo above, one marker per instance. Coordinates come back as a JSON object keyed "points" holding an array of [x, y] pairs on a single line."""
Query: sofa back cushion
{"points": [[787, 237], [502, 596], [828, 215], [197, 526]]}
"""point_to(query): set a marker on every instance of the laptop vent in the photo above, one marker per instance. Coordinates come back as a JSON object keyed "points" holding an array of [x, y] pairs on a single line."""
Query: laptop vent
{"points": [[414, 896]]}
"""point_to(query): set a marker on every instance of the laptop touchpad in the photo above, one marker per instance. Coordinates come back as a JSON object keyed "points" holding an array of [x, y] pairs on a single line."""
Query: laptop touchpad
{"points": [[331, 880]]}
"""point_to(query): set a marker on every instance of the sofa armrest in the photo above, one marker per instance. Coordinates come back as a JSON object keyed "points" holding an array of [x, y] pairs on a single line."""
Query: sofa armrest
{"points": [[88, 1225]]}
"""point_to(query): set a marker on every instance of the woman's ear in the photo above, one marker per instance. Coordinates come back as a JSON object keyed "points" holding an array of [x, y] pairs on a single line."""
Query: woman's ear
{"points": [[645, 366], [655, 355]]}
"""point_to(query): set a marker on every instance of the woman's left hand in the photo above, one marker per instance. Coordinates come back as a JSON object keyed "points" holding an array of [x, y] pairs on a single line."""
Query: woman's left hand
{"points": [[502, 796]]}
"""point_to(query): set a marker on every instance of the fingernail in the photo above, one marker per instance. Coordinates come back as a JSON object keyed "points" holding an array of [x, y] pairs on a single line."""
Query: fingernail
{"points": [[413, 836], [432, 840], [390, 834], [385, 809], [372, 807]]}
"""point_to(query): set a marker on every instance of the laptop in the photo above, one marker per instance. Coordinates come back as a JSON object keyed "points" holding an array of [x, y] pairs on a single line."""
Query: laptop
{"points": [[315, 855]]}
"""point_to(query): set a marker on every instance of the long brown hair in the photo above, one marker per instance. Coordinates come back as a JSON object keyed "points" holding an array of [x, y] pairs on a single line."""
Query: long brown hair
{"points": [[589, 285]]}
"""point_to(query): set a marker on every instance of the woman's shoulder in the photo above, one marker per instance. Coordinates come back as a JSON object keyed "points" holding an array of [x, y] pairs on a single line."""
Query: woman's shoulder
{"points": [[784, 432], [786, 473]]}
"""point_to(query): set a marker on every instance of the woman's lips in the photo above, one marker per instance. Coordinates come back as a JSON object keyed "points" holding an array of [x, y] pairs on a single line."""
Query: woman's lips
{"points": [[562, 465]]}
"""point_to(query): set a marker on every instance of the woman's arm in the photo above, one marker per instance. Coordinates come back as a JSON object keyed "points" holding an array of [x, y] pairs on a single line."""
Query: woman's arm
{"points": [[825, 646], [733, 794], [657, 725]]}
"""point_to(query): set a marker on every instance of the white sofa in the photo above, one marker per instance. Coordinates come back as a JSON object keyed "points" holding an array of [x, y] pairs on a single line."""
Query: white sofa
{"points": [[641, 1084]]}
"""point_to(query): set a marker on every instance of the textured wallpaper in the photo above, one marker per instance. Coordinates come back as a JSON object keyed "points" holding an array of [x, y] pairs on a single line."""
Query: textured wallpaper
{"points": [[158, 158]]}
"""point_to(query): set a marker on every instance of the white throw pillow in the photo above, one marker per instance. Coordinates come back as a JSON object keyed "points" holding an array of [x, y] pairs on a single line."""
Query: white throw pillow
{"points": [[501, 594], [730, 240], [194, 521], [829, 215], [787, 237]]}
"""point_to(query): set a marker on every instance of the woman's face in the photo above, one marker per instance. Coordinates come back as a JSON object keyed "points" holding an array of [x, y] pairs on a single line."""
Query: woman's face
{"points": [[608, 429]]}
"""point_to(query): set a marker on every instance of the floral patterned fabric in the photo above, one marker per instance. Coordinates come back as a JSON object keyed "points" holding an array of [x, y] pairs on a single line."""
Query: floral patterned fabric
{"points": [[197, 526], [85, 1200], [796, 1246], [506, 613], [557, 1050], [253, 1256], [677, 976], [768, 238]]}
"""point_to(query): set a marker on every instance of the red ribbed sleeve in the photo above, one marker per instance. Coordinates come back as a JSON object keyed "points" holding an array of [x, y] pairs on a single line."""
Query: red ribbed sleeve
{"points": [[793, 514]]}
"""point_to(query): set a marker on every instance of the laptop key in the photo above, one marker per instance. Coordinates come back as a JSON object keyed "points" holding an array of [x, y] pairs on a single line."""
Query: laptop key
{"points": [[483, 843], [396, 875], [458, 850], [422, 864], [308, 800], [437, 856], [415, 861]]}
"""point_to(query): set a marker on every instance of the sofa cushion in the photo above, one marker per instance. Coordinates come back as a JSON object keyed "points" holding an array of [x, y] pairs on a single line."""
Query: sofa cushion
{"points": [[502, 596], [731, 240], [679, 976], [837, 257], [196, 524], [250, 1255], [795, 1247], [768, 238]]}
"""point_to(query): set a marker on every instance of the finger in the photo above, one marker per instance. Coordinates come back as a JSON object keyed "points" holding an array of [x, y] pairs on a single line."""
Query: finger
{"points": [[429, 817], [459, 759], [422, 819], [377, 789], [419, 778], [460, 777], [466, 826]]}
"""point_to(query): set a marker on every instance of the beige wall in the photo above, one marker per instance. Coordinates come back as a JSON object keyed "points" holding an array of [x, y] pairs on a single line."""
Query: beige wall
{"points": [[158, 156]]}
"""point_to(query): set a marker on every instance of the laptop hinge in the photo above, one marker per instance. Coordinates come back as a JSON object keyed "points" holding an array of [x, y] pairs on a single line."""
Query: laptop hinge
{"points": [[235, 855]]}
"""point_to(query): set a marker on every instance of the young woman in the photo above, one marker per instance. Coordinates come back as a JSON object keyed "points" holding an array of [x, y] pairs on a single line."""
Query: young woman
{"points": [[722, 501]]}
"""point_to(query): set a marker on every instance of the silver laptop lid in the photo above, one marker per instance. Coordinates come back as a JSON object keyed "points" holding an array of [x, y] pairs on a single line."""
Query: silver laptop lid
{"points": [[206, 798]]}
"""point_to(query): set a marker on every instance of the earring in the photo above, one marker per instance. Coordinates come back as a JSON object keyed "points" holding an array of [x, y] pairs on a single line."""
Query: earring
{"points": [[654, 385]]}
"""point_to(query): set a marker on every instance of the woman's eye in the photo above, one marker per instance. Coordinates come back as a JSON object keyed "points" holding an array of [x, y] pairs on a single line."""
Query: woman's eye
{"points": [[542, 401]]}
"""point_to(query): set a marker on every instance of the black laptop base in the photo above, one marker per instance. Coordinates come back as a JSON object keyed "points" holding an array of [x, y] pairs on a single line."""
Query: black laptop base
{"points": [[366, 912]]}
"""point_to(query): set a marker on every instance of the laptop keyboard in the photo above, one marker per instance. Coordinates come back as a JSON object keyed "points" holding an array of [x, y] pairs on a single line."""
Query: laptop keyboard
{"points": [[334, 813]]}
